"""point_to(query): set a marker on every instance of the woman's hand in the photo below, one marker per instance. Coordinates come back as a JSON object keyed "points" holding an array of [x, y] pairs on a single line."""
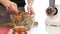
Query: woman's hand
{"points": [[30, 10], [11, 7]]}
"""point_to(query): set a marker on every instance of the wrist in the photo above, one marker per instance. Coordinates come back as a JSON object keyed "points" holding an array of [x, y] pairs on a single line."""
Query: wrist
{"points": [[29, 3], [5, 2], [1, 1]]}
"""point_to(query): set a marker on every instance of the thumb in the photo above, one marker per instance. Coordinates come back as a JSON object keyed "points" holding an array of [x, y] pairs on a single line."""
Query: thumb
{"points": [[31, 11]]}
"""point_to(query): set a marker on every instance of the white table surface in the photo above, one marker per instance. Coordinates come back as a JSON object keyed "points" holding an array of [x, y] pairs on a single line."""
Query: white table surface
{"points": [[53, 30]]}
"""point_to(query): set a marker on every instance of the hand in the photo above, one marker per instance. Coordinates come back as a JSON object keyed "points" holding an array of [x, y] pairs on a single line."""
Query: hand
{"points": [[30, 10], [11, 7]]}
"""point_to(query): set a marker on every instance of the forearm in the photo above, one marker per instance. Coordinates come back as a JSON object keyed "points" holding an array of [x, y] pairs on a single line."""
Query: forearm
{"points": [[30, 2], [3, 1]]}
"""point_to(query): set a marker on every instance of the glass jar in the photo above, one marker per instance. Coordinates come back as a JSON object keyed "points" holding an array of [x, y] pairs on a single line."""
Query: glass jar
{"points": [[23, 19]]}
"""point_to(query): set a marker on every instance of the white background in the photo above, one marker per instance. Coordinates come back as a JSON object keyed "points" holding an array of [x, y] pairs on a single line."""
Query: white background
{"points": [[40, 15]]}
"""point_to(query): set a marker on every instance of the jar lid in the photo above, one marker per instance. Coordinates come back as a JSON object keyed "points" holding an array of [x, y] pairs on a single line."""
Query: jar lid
{"points": [[19, 27]]}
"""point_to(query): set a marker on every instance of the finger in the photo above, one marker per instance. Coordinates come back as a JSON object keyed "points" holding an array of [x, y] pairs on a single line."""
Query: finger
{"points": [[15, 8], [9, 10], [30, 10]]}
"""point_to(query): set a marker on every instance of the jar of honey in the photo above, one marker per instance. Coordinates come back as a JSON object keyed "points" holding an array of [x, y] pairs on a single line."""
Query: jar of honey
{"points": [[19, 30]]}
